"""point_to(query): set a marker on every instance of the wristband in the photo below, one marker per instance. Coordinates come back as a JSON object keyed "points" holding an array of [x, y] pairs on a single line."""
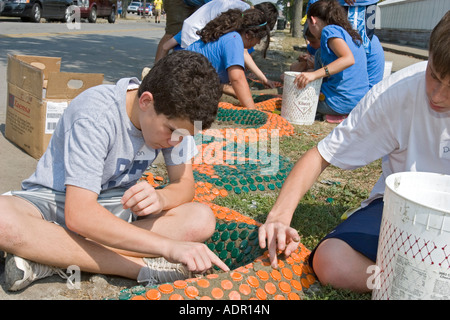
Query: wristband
{"points": [[326, 71]]}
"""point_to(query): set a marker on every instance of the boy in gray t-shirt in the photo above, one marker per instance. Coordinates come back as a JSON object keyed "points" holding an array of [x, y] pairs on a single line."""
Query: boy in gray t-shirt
{"points": [[83, 205]]}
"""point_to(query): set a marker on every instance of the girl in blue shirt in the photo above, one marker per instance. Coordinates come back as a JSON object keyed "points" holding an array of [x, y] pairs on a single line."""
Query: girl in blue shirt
{"points": [[223, 41], [341, 62]]}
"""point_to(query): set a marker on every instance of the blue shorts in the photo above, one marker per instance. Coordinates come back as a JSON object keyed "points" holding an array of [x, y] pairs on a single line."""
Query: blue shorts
{"points": [[360, 231]]}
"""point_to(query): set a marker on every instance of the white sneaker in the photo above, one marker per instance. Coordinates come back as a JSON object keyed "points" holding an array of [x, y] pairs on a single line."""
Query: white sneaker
{"points": [[19, 272], [159, 270]]}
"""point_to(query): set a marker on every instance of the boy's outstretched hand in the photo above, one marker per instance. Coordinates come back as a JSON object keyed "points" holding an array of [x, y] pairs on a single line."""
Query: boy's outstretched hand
{"points": [[197, 257], [279, 236]]}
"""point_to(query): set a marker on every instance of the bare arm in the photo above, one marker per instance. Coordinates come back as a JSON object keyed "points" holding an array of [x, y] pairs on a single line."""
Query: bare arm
{"points": [[240, 86], [276, 232], [251, 65], [345, 59], [165, 47], [85, 216]]}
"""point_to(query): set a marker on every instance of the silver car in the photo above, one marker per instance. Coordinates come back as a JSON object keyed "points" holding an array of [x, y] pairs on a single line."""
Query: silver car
{"points": [[133, 7]]}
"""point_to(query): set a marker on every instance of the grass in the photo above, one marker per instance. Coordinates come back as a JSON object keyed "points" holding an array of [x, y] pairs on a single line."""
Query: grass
{"points": [[321, 208]]}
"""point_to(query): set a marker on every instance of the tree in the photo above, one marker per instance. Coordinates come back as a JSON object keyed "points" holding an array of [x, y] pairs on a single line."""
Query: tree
{"points": [[297, 18], [124, 8], [292, 10]]}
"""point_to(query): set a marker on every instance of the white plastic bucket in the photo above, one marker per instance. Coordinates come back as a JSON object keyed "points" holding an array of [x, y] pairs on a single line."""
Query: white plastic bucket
{"points": [[413, 258], [299, 106]]}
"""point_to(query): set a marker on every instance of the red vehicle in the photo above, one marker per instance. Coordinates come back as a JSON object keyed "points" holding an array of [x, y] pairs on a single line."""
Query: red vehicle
{"points": [[147, 9], [93, 9]]}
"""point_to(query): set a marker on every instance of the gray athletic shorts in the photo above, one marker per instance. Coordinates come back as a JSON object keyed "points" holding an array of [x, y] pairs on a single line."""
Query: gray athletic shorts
{"points": [[50, 203]]}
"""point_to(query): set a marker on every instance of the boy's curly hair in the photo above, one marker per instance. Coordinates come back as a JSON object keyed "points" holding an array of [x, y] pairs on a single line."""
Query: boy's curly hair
{"points": [[184, 85], [332, 12], [252, 22]]}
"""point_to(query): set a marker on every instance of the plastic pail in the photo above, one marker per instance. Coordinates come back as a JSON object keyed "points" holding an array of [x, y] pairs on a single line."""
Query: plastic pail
{"points": [[299, 105], [414, 245]]}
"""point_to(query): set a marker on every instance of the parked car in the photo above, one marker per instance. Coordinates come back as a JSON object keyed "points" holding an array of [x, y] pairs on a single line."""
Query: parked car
{"points": [[93, 9], [133, 7], [34, 10], [147, 9]]}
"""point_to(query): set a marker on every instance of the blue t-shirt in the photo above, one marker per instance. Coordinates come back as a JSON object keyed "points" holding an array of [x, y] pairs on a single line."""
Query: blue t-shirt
{"points": [[375, 62], [358, 2], [343, 90], [227, 51], [177, 38]]}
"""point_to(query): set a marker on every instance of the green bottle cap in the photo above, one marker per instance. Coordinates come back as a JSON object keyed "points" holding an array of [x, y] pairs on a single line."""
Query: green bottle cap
{"points": [[225, 236]]}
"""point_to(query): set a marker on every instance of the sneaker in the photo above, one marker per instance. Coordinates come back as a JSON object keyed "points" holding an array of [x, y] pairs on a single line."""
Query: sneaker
{"points": [[159, 270], [335, 119], [145, 71], [19, 272]]}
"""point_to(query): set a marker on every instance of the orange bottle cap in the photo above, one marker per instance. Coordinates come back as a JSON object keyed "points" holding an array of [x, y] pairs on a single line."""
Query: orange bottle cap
{"points": [[226, 284], [304, 282], [263, 275], [245, 289], [203, 283], [234, 295], [276, 275], [284, 286], [176, 296], [297, 269], [191, 291], [236, 276], [153, 294], [166, 288], [270, 288], [180, 284], [261, 294], [296, 284], [253, 281], [293, 296], [287, 273], [217, 293]]}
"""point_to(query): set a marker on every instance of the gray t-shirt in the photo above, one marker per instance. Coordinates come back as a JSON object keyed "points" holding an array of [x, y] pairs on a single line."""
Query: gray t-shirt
{"points": [[95, 146]]}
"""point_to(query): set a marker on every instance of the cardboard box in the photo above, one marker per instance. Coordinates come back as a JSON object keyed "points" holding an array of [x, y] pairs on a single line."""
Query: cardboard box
{"points": [[38, 94]]}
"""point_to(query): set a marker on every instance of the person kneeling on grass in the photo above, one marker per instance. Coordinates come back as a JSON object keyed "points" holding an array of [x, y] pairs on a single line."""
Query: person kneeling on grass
{"points": [[223, 41], [340, 61], [84, 205], [403, 120]]}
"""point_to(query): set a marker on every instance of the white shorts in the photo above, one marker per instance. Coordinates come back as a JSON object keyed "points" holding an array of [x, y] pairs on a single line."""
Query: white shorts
{"points": [[50, 203]]}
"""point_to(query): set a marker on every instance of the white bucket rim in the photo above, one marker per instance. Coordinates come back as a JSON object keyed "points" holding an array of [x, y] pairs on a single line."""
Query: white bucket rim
{"points": [[389, 183]]}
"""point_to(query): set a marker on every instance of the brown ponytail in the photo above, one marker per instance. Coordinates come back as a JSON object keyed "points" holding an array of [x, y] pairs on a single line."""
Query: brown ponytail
{"points": [[331, 12]]}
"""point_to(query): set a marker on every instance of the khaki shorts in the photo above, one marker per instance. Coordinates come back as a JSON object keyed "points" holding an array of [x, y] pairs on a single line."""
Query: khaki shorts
{"points": [[176, 12], [50, 203]]}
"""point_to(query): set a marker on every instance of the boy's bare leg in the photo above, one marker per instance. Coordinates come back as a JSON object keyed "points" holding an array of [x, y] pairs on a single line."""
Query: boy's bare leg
{"points": [[339, 265], [24, 233]]}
